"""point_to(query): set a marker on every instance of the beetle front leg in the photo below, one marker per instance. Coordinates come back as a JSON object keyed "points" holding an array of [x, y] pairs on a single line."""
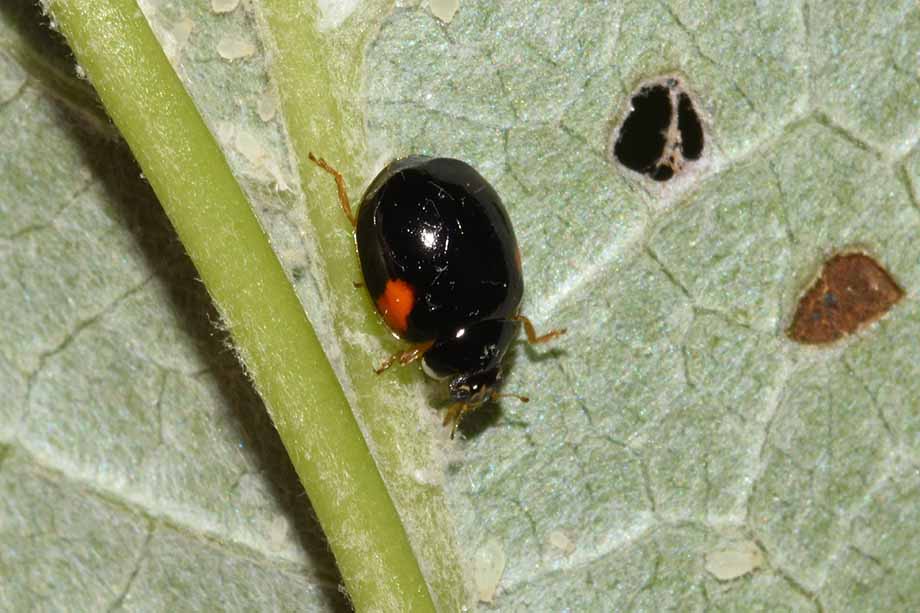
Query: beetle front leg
{"points": [[454, 414]]}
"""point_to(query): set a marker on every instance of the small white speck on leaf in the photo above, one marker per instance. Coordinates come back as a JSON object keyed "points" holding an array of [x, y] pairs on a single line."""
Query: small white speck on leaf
{"points": [[232, 48], [226, 132], [224, 6], [267, 105], [278, 532], [250, 146], [264, 165], [12, 78], [176, 38], [560, 540], [735, 561], [150, 7], [332, 13], [429, 476], [488, 566], [444, 9]]}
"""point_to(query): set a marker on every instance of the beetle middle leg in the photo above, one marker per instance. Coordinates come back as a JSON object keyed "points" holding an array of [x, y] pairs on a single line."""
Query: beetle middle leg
{"points": [[532, 336], [339, 184], [405, 357]]}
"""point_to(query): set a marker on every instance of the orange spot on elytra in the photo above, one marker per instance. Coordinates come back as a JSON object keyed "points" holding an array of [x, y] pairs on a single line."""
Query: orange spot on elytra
{"points": [[395, 304]]}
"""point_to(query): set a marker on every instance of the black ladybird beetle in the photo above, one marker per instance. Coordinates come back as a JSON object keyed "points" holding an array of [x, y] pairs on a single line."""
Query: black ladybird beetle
{"points": [[443, 268]]}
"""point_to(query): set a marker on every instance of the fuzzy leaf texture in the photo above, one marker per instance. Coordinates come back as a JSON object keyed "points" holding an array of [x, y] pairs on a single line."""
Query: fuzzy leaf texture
{"points": [[679, 450]]}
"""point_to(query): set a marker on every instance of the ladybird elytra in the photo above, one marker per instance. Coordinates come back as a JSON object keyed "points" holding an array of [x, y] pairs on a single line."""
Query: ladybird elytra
{"points": [[442, 265]]}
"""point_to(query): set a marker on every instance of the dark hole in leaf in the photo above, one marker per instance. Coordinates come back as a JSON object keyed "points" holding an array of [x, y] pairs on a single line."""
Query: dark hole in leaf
{"points": [[654, 139], [642, 136], [690, 128], [662, 173], [852, 291]]}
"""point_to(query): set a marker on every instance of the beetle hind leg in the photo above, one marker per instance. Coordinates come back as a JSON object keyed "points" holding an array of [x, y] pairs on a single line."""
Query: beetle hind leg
{"points": [[405, 357], [339, 184], [532, 336]]}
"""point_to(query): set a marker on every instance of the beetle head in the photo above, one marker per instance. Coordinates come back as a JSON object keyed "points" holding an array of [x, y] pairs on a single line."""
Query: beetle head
{"points": [[476, 387]]}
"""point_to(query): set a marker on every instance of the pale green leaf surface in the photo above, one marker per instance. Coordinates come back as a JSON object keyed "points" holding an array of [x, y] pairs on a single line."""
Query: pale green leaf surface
{"points": [[675, 419], [122, 400]]}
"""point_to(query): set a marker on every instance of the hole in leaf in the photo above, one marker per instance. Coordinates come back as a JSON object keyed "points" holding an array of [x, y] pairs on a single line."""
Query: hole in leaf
{"points": [[852, 291], [661, 132], [642, 136], [690, 128]]}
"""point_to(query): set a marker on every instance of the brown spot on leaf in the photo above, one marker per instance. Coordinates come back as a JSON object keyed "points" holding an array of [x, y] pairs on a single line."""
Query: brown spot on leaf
{"points": [[852, 291]]}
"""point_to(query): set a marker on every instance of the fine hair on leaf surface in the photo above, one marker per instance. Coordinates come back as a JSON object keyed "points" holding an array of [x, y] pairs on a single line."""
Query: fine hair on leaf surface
{"points": [[679, 449]]}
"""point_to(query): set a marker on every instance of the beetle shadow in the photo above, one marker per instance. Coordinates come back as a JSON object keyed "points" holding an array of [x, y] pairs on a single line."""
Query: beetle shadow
{"points": [[130, 200], [491, 413], [473, 423], [476, 422], [542, 353]]}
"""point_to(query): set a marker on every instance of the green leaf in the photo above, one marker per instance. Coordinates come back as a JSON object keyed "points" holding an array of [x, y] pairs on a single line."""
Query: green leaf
{"points": [[258, 306], [675, 438]]}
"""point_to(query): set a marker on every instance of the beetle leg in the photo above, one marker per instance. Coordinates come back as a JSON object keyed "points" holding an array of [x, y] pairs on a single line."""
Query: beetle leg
{"points": [[532, 337], [454, 414], [405, 357], [339, 184], [507, 395]]}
